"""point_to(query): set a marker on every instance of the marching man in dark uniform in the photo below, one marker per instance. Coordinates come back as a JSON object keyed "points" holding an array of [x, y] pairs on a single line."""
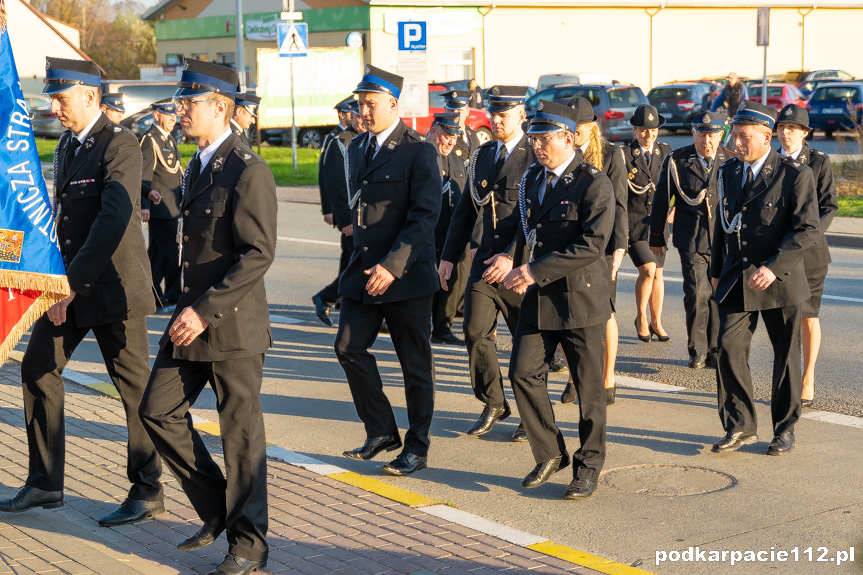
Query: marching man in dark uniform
{"points": [[792, 126], [161, 179], [494, 173], [334, 180], [395, 190], [688, 183], [98, 183], [768, 219], [344, 112], [455, 101], [643, 159], [220, 330], [245, 115], [112, 106], [444, 134], [567, 216]]}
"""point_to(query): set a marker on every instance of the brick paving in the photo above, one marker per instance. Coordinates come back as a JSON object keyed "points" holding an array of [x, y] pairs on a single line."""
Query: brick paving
{"points": [[317, 525]]}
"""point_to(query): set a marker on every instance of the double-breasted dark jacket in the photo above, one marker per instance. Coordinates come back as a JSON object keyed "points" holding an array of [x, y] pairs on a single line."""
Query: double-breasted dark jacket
{"points": [[161, 171], [779, 223], [573, 224], [640, 175], [99, 226], [228, 244], [394, 216]]}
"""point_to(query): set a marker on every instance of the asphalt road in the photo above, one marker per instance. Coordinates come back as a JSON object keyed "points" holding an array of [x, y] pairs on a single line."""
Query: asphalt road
{"points": [[841, 144]]}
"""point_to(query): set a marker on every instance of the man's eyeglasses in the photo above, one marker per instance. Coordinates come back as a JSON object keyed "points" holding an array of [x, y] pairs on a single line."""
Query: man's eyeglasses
{"points": [[533, 139], [186, 103]]}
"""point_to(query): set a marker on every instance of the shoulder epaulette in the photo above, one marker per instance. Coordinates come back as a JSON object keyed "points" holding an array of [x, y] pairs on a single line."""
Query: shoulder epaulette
{"points": [[246, 155]]}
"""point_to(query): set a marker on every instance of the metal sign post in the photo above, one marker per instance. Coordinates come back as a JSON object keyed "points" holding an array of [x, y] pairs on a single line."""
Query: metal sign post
{"points": [[240, 64], [412, 65], [293, 43], [763, 39]]}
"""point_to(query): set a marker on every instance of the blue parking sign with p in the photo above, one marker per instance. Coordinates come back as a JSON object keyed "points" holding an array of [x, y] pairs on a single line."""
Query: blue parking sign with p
{"points": [[412, 35]]}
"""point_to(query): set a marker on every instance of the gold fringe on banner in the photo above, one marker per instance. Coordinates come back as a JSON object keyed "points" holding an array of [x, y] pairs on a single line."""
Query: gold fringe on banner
{"points": [[53, 289]]}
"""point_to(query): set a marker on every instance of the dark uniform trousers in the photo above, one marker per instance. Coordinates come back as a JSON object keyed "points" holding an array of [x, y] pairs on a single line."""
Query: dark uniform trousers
{"points": [[569, 306], [164, 253], [779, 224], [99, 233], [241, 497], [125, 349], [692, 230], [229, 225], [482, 301], [446, 303], [329, 294], [394, 222]]}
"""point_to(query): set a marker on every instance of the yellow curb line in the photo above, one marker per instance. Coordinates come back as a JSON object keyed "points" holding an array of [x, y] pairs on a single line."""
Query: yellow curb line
{"points": [[414, 500], [383, 489], [586, 559]]}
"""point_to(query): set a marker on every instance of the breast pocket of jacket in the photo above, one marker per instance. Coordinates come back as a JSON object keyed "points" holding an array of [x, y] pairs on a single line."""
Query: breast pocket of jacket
{"points": [[206, 217], [388, 175], [80, 198], [768, 208], [564, 213]]}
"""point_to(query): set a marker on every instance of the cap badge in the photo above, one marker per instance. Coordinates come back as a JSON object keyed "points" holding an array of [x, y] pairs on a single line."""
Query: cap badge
{"points": [[368, 69], [186, 66], [495, 91], [649, 117], [47, 65], [539, 107], [788, 112], [706, 119], [741, 107]]}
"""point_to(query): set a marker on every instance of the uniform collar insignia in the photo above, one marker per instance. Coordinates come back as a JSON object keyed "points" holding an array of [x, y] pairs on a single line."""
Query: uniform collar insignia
{"points": [[649, 117], [391, 146], [218, 162], [706, 119], [117, 129], [246, 156], [636, 152], [767, 169], [567, 179], [89, 142], [801, 157]]}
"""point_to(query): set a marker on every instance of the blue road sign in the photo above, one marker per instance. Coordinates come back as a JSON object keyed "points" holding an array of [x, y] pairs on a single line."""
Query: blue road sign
{"points": [[293, 39], [412, 35]]}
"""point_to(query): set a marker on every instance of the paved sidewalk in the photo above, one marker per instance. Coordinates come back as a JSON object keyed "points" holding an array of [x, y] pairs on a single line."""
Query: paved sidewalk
{"points": [[318, 525]]}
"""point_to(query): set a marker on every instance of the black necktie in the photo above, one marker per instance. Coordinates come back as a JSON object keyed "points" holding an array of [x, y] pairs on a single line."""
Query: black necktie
{"points": [[709, 163], [549, 176], [370, 149], [73, 145], [647, 158], [750, 179], [193, 170], [501, 159]]}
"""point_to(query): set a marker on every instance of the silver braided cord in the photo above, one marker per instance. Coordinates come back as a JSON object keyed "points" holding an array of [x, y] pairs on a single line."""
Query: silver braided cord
{"points": [[640, 190], [672, 168], [733, 226], [529, 234], [352, 200], [158, 153], [447, 189], [472, 176]]}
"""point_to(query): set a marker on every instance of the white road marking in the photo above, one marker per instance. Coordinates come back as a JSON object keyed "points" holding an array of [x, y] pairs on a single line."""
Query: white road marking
{"points": [[472, 521], [837, 418], [305, 241]]}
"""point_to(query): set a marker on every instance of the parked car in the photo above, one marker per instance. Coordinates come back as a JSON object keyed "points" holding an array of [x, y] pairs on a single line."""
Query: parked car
{"points": [[45, 122], [804, 79], [613, 104], [680, 100], [139, 94], [778, 95], [35, 101], [837, 106], [549, 80], [140, 122], [477, 119]]}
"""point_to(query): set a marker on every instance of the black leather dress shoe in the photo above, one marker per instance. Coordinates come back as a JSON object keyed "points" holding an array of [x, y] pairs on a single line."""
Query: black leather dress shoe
{"points": [[697, 362], [734, 440], [489, 416], [781, 444], [579, 489], [610, 395], [405, 464], [233, 565], [710, 360], [543, 471], [558, 363], [448, 338], [29, 497], [569, 395], [519, 434], [322, 310], [209, 532], [375, 445], [133, 510]]}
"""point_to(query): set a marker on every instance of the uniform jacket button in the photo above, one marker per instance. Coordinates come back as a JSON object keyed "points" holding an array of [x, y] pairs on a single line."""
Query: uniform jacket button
{"points": [[587, 285], [743, 243], [539, 244], [539, 226], [365, 182], [365, 248], [743, 227], [364, 226], [235, 309], [185, 238], [68, 242], [495, 186], [86, 285], [743, 209], [63, 196], [746, 259], [364, 204], [65, 218], [218, 316], [185, 264], [207, 211], [496, 236], [186, 213], [185, 290]]}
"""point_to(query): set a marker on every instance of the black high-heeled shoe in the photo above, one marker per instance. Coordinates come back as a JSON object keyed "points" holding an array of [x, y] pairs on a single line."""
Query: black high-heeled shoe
{"points": [[661, 338], [644, 338]]}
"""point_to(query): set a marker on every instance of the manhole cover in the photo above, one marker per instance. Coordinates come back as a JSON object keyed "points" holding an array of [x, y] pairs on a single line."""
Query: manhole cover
{"points": [[668, 480]]}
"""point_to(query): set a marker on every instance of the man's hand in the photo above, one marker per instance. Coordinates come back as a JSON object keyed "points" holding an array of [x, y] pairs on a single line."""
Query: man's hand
{"points": [[496, 272], [616, 261], [519, 279], [155, 197], [145, 216], [188, 325], [762, 278], [328, 219], [348, 230], [444, 271], [658, 251], [714, 282], [379, 280], [57, 312]]}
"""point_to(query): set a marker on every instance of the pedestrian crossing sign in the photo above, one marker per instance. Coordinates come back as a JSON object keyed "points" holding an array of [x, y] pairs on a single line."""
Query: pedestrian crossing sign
{"points": [[293, 39]]}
